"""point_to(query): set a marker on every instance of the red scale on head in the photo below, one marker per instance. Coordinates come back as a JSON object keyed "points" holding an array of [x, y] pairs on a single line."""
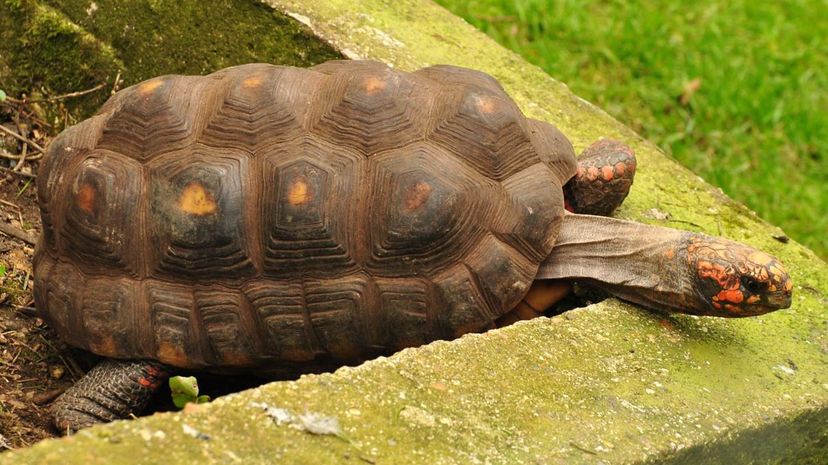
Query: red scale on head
{"points": [[734, 296], [738, 280]]}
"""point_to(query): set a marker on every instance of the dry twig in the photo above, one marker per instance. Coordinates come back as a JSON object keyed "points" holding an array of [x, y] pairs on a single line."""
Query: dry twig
{"points": [[9, 204], [117, 84], [58, 97], [17, 136], [22, 158], [43, 398], [19, 158], [16, 232], [18, 173]]}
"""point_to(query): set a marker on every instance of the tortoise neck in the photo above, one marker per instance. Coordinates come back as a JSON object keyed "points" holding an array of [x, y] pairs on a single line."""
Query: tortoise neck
{"points": [[646, 265]]}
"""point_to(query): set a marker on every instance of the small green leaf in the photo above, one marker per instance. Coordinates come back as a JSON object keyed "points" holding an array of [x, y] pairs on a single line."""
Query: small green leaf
{"points": [[2, 96], [180, 400], [2, 270], [184, 390], [203, 399]]}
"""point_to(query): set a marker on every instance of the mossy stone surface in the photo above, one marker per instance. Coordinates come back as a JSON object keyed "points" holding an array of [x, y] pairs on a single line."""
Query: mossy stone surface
{"points": [[608, 384], [61, 46]]}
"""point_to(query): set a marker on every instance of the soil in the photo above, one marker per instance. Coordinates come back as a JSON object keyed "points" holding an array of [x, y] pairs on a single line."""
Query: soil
{"points": [[36, 367]]}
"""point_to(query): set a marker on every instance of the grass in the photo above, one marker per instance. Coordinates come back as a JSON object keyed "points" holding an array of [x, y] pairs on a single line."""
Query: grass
{"points": [[735, 90]]}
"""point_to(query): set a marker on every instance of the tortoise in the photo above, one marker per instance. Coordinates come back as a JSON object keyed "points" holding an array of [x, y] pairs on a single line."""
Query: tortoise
{"points": [[276, 218]]}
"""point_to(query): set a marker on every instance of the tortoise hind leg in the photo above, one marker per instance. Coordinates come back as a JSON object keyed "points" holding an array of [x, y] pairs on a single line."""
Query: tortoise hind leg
{"points": [[112, 390], [605, 173]]}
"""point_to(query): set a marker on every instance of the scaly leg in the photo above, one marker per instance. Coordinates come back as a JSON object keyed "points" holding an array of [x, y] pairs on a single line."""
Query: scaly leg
{"points": [[605, 173], [112, 390]]}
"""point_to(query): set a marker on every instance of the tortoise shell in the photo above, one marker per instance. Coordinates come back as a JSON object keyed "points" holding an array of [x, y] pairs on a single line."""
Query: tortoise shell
{"points": [[264, 214]]}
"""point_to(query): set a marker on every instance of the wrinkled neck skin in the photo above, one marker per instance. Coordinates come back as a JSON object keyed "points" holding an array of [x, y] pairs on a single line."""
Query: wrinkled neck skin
{"points": [[646, 265]]}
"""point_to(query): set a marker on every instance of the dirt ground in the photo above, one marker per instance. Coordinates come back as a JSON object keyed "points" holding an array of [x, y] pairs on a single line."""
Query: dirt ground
{"points": [[36, 367]]}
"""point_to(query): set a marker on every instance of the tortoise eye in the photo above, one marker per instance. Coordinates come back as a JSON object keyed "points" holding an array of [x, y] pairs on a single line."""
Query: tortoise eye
{"points": [[753, 285]]}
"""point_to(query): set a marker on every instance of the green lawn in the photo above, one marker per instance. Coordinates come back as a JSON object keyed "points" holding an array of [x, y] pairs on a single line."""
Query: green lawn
{"points": [[736, 90]]}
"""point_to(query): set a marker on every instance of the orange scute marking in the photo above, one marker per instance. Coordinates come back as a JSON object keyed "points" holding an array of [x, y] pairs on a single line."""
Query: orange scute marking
{"points": [[236, 359], [196, 200], [148, 87], [105, 345], [670, 253], [299, 192], [85, 198], [788, 285], [373, 84], [606, 173], [752, 299], [171, 354], [251, 82], [417, 195], [620, 168]]}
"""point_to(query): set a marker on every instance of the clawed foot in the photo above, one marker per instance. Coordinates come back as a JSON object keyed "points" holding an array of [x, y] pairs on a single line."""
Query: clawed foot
{"points": [[605, 174]]}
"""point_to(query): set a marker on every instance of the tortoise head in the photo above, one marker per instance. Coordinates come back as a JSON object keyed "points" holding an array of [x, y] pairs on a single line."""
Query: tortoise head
{"points": [[735, 280]]}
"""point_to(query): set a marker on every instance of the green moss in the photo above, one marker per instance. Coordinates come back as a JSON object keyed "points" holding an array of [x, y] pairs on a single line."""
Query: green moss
{"points": [[57, 47], [44, 52], [802, 440], [191, 37]]}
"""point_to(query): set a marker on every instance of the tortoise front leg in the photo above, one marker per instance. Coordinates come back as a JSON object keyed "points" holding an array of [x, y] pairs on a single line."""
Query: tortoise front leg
{"points": [[605, 174], [112, 390]]}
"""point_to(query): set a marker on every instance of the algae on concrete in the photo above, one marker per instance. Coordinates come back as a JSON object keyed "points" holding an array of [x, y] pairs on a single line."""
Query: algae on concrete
{"points": [[605, 384]]}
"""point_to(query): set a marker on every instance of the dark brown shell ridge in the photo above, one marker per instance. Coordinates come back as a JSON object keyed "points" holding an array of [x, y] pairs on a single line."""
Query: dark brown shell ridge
{"points": [[266, 214]]}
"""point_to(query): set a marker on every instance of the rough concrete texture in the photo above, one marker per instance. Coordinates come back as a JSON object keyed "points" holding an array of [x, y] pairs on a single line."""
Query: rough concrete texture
{"points": [[607, 384]]}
